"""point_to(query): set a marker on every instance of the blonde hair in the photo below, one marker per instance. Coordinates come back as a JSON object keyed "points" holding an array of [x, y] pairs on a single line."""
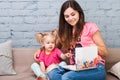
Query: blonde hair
{"points": [[41, 36]]}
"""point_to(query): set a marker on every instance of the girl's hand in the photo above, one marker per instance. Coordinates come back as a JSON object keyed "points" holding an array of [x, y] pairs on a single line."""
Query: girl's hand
{"points": [[68, 55]]}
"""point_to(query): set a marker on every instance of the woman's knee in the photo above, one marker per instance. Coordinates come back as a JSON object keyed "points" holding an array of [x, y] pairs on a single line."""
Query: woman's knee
{"points": [[67, 76], [54, 74]]}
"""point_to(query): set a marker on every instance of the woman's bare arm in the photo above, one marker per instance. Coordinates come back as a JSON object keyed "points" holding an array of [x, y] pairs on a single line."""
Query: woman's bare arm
{"points": [[102, 49], [36, 54]]}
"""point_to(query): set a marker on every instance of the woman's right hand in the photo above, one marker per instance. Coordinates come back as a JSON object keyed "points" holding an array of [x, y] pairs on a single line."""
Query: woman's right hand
{"points": [[36, 55]]}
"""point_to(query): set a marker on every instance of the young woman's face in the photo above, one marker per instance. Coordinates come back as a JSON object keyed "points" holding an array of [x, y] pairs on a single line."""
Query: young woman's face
{"points": [[49, 43], [71, 16]]}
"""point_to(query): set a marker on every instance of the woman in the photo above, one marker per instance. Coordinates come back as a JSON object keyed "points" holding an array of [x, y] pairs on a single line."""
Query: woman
{"points": [[74, 31]]}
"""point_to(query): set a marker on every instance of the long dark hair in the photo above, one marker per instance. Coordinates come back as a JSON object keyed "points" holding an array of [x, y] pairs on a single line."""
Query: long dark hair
{"points": [[65, 29]]}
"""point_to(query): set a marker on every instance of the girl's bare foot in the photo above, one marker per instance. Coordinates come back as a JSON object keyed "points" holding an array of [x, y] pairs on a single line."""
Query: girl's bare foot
{"points": [[41, 78]]}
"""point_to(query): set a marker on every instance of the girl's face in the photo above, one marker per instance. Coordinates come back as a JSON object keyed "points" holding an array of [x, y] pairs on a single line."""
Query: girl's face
{"points": [[49, 43], [71, 16]]}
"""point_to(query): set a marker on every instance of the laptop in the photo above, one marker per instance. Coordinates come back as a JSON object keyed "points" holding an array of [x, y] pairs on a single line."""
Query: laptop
{"points": [[85, 58]]}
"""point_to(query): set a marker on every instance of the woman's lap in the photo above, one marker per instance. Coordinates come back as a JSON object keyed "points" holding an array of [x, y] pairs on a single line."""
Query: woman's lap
{"points": [[92, 74]]}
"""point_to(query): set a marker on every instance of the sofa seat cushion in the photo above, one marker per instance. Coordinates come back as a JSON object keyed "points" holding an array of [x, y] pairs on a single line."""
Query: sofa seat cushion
{"points": [[111, 77], [115, 70], [20, 76]]}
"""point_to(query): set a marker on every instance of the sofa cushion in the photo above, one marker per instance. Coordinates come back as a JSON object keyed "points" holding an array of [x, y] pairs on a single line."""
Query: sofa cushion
{"points": [[23, 58], [115, 69], [20, 76], [112, 57], [111, 77], [6, 61]]}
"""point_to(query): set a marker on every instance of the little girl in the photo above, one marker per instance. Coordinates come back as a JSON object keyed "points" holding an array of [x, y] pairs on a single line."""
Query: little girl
{"points": [[49, 54]]}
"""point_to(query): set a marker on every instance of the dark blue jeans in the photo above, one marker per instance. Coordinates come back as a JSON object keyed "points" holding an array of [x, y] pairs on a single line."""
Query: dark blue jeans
{"points": [[98, 73]]}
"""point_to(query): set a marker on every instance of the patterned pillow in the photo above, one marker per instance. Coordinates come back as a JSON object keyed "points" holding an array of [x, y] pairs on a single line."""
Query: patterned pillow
{"points": [[6, 61]]}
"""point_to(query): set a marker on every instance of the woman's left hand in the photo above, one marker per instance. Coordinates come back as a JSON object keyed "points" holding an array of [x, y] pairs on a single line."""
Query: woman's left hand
{"points": [[93, 45]]}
